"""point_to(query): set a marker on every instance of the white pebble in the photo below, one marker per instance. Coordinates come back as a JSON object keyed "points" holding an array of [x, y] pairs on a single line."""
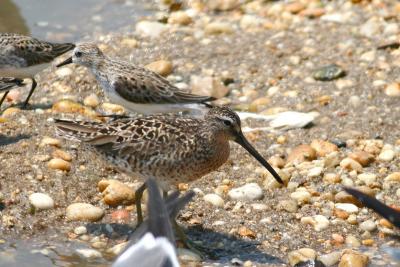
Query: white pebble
{"points": [[84, 212], [214, 200], [315, 172], [89, 253], [247, 192], [41, 201], [347, 207], [386, 155], [301, 196], [368, 225], [80, 230]]}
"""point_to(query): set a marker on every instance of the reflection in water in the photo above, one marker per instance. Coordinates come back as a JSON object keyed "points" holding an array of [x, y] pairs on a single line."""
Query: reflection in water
{"points": [[11, 19]]}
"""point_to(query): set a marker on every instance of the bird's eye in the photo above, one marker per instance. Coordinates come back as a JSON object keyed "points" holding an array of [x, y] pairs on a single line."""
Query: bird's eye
{"points": [[78, 54], [227, 122]]}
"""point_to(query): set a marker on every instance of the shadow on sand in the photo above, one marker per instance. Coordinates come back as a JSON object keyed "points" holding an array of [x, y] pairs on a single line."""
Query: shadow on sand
{"points": [[8, 140]]}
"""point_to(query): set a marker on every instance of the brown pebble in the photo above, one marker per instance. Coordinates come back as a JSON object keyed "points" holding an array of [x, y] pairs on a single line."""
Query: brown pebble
{"points": [[341, 214], [295, 7], [120, 216], [116, 193], [337, 239], [61, 155], [302, 153], [362, 157], [323, 148], [59, 164], [351, 258], [367, 242], [246, 232], [10, 111], [276, 161], [385, 223], [162, 67]]}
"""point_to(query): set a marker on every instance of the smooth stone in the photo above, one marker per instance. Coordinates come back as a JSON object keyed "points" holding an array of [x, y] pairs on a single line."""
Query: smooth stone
{"points": [[368, 225], [330, 259], [83, 212], [80, 230], [301, 255], [288, 204], [162, 67], [91, 100], [323, 148], [116, 193], [301, 153], [208, 86], [218, 28], [352, 241], [386, 155], [393, 177], [248, 192], [214, 200], [41, 201], [151, 28], [367, 178], [315, 172], [362, 157], [347, 207], [353, 259], [301, 196], [179, 17], [59, 164], [329, 73], [319, 222], [187, 255], [351, 165], [118, 248], [89, 253], [393, 89]]}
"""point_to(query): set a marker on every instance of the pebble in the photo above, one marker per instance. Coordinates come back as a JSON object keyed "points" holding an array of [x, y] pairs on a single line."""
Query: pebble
{"points": [[352, 241], [347, 207], [83, 212], [300, 255], [386, 155], [246, 232], [331, 178], [393, 177], [120, 216], [288, 204], [368, 225], [118, 248], [368, 56], [393, 89], [49, 141], [186, 255], [208, 86], [80, 230], [351, 165], [362, 157], [63, 72], [116, 193], [248, 192], [179, 17], [319, 222], [41, 201], [89, 253], [91, 100], [222, 5], [58, 153], [315, 172], [330, 259], [352, 258], [301, 154], [10, 111], [218, 28], [59, 164], [301, 196], [110, 108], [323, 148], [151, 28], [162, 67], [367, 178], [214, 200], [69, 106], [329, 73]]}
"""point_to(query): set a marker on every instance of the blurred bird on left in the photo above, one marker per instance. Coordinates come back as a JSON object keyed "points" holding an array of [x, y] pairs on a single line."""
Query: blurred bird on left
{"points": [[23, 57]]}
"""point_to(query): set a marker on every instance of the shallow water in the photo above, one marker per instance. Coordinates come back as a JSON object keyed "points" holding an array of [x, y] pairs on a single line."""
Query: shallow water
{"points": [[61, 20]]}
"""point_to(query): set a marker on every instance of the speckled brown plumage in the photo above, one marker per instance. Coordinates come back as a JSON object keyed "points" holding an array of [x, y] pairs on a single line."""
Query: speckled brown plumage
{"points": [[170, 147], [136, 88]]}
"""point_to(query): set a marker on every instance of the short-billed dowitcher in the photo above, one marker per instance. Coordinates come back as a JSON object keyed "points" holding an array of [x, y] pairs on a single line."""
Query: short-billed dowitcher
{"points": [[171, 147], [136, 88], [23, 57]]}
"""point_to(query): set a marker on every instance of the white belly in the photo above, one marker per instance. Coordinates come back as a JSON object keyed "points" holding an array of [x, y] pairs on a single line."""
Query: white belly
{"points": [[26, 72], [194, 109]]}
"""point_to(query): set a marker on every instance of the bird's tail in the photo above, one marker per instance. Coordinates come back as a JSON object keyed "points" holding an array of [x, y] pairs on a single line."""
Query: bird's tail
{"points": [[76, 130]]}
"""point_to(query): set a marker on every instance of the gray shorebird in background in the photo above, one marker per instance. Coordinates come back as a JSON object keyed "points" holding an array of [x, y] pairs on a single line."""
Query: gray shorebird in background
{"points": [[23, 57], [153, 242], [171, 147], [136, 88]]}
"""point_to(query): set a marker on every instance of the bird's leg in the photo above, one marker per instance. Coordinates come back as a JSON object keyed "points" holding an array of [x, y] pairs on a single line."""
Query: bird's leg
{"points": [[34, 84], [3, 98], [186, 241], [138, 202]]}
